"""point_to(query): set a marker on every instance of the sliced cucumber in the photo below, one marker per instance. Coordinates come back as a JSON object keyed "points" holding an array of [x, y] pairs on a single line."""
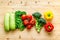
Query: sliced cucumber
{"points": [[6, 22], [12, 21]]}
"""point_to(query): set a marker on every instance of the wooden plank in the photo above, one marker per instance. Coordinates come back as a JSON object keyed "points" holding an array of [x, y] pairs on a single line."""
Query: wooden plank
{"points": [[30, 6]]}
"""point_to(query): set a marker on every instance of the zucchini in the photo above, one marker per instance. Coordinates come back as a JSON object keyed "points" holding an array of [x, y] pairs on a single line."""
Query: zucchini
{"points": [[12, 21], [6, 22]]}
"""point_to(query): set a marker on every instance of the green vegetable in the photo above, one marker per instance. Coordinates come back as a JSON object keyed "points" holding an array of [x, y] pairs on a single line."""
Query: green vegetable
{"points": [[21, 26], [6, 22], [12, 21], [39, 21], [39, 24], [37, 15], [42, 21], [19, 22], [19, 13], [23, 13]]}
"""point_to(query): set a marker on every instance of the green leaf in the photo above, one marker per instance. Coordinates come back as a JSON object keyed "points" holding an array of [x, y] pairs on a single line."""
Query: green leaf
{"points": [[19, 22]]}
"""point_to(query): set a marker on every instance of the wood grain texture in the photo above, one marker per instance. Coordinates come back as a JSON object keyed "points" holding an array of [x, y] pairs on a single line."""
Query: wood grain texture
{"points": [[30, 6]]}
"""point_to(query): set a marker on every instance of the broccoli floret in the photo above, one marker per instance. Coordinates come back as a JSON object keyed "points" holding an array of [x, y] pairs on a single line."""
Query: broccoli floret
{"points": [[39, 24], [39, 21], [42, 21], [37, 15]]}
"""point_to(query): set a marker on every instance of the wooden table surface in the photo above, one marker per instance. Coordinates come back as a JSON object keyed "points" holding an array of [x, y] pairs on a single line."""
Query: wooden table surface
{"points": [[30, 6]]}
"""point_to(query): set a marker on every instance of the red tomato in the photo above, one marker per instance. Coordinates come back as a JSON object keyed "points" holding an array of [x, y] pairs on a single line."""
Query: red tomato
{"points": [[29, 26], [26, 22], [32, 22], [23, 17], [29, 17]]}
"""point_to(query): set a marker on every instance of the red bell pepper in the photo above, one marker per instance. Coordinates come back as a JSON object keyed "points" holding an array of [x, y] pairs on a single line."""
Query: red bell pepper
{"points": [[48, 27]]}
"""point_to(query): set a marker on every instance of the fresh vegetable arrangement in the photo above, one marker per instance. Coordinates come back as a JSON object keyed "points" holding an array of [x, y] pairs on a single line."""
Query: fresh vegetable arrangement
{"points": [[39, 21], [20, 20]]}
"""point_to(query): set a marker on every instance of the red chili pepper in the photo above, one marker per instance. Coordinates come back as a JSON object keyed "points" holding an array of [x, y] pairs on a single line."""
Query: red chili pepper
{"points": [[48, 27]]}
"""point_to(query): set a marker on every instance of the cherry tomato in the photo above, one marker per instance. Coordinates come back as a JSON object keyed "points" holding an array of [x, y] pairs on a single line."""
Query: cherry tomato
{"points": [[23, 17], [29, 26], [32, 22], [26, 22], [29, 17]]}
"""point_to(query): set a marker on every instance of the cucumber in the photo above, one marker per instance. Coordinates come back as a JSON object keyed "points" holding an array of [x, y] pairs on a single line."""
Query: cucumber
{"points": [[12, 21], [6, 22]]}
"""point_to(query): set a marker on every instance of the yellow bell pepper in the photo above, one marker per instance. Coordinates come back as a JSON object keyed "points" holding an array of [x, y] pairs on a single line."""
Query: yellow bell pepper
{"points": [[48, 15]]}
